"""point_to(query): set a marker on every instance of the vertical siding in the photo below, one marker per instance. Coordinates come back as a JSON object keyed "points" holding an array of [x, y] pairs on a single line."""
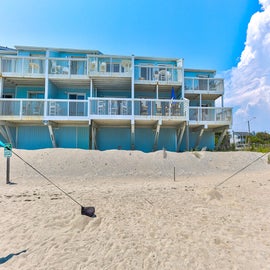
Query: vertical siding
{"points": [[83, 137], [65, 137], [72, 137], [207, 140], [113, 138], [144, 139], [167, 139], [32, 137]]}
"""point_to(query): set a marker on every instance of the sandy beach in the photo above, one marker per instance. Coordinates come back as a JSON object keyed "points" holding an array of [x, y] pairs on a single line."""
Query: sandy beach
{"points": [[146, 218]]}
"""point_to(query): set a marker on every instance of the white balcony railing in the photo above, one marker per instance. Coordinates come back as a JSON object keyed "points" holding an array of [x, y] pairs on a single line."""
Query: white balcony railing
{"points": [[164, 108], [110, 108], [22, 66], [109, 66], [64, 67], [20, 108], [204, 84], [163, 74], [68, 66], [58, 108], [210, 114]]}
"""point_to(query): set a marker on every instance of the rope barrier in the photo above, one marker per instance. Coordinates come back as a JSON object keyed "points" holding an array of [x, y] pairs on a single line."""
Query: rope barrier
{"points": [[45, 177], [240, 170]]}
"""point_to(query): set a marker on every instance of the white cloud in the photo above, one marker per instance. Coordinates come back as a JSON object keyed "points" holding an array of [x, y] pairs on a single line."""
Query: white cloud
{"points": [[248, 84]]}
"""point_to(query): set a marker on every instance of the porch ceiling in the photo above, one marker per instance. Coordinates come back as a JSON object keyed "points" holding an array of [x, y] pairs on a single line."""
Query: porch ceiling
{"points": [[21, 81], [112, 123], [67, 83], [138, 122], [110, 83], [153, 123], [196, 96], [209, 126]]}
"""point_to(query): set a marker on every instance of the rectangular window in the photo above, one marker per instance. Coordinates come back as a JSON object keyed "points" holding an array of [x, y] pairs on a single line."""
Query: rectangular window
{"points": [[146, 73], [114, 67]]}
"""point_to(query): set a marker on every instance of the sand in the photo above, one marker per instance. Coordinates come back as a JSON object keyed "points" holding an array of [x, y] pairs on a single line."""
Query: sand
{"points": [[145, 217]]}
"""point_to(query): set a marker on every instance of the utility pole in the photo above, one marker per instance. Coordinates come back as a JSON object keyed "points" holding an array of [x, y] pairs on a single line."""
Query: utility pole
{"points": [[249, 124]]}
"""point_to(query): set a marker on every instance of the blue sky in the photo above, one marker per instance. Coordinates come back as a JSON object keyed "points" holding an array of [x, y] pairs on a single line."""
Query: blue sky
{"points": [[208, 34]]}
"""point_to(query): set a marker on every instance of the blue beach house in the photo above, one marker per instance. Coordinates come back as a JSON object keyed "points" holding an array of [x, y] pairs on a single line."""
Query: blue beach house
{"points": [[68, 98]]}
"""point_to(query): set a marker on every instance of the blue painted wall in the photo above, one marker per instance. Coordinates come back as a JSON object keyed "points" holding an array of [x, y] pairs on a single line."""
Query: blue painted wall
{"points": [[198, 73], [31, 53], [65, 54], [113, 138], [144, 139], [37, 137], [114, 93], [52, 90], [207, 140], [83, 137], [72, 137], [167, 139], [9, 91], [33, 137], [154, 62], [62, 93], [119, 138], [22, 91]]}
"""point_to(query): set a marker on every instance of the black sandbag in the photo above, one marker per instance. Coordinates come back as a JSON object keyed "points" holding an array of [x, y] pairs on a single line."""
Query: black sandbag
{"points": [[88, 211]]}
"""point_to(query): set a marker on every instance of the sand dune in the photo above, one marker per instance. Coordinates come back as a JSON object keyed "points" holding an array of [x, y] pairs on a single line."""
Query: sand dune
{"points": [[145, 219]]}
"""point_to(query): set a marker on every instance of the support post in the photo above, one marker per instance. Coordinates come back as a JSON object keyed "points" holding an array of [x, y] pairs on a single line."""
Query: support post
{"points": [[221, 138], [132, 135], [8, 171], [180, 134], [52, 135], [1, 84], [199, 137], [155, 146]]}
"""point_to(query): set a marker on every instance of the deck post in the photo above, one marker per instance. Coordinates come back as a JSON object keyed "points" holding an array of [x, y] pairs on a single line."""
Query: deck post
{"points": [[132, 135], [180, 134], [155, 146], [1, 85], [93, 135], [52, 135], [201, 131], [3, 132], [221, 138]]}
